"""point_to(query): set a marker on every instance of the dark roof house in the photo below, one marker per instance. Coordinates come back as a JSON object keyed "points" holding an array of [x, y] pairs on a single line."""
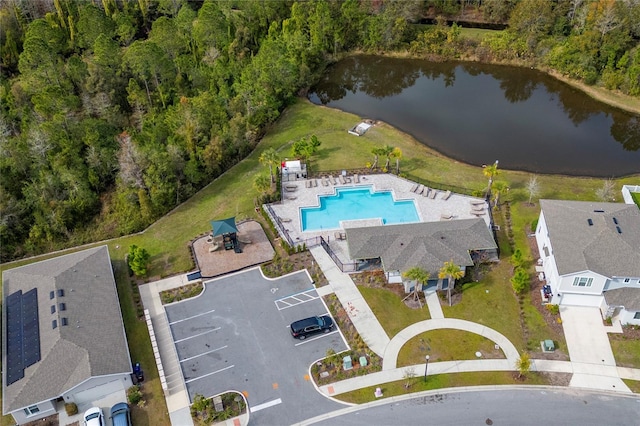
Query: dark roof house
{"points": [[62, 328], [424, 244]]}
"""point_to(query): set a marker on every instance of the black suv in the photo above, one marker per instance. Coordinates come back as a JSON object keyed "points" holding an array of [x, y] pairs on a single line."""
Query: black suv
{"points": [[305, 327]]}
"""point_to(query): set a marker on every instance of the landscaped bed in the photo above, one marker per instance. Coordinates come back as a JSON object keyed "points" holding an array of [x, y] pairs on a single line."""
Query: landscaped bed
{"points": [[181, 293]]}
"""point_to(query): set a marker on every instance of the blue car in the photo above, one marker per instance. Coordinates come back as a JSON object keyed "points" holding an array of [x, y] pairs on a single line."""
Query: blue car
{"points": [[120, 415]]}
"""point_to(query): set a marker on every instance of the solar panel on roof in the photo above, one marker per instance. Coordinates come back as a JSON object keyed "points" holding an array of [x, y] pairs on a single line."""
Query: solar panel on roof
{"points": [[23, 333]]}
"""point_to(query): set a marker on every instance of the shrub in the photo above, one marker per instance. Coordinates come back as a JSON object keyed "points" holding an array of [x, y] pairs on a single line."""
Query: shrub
{"points": [[71, 408], [554, 309], [134, 395], [520, 280]]}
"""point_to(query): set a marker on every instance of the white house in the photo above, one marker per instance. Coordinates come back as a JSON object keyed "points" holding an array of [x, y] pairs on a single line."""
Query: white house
{"points": [[590, 253], [63, 338]]}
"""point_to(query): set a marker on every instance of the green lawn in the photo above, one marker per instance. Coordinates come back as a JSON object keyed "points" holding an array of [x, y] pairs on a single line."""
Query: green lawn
{"points": [[232, 194], [417, 384], [626, 351], [635, 196], [634, 385], [491, 302], [392, 313], [446, 345]]}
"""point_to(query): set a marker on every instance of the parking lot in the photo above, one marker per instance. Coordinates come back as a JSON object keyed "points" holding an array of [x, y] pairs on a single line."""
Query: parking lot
{"points": [[236, 336]]}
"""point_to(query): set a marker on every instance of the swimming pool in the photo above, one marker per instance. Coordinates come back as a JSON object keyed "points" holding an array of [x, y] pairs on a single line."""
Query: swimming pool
{"points": [[350, 203]]}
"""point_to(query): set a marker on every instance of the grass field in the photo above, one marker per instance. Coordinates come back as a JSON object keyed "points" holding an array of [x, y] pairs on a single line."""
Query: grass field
{"points": [[417, 384], [626, 352], [232, 194], [391, 312], [446, 345]]}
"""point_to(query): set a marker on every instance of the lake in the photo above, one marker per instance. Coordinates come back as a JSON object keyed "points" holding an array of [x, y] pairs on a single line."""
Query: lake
{"points": [[479, 113]]}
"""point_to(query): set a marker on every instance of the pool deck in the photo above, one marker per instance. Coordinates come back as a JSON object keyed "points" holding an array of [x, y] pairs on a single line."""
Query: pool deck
{"points": [[296, 196]]}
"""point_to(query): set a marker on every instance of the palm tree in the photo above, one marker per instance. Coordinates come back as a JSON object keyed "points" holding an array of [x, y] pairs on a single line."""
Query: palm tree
{"points": [[491, 171], [262, 185], [452, 272], [269, 157], [387, 150], [376, 152], [397, 154], [499, 188], [420, 276]]}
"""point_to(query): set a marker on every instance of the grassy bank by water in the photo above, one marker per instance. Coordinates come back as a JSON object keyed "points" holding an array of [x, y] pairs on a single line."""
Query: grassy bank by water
{"points": [[233, 195]]}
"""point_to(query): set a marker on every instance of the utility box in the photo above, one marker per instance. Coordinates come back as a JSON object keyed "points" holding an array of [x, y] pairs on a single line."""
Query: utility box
{"points": [[549, 346]]}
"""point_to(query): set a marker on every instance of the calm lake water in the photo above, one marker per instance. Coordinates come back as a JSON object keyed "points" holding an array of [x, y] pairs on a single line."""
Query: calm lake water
{"points": [[479, 113]]}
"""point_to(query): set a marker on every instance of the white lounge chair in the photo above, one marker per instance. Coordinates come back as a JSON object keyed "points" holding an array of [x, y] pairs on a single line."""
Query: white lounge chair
{"points": [[433, 194], [356, 178], [446, 216], [426, 191], [332, 180], [325, 181], [414, 187], [342, 179], [446, 195], [420, 189]]}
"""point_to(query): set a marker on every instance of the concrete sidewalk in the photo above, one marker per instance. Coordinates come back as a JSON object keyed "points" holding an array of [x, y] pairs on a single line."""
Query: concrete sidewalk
{"points": [[393, 348], [594, 365], [176, 395], [433, 303], [361, 316]]}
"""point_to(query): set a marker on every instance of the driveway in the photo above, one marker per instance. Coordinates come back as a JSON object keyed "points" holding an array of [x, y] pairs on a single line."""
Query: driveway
{"points": [[235, 335], [594, 365]]}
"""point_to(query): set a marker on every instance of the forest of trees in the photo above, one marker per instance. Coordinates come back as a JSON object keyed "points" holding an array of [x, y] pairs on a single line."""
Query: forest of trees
{"points": [[112, 112]]}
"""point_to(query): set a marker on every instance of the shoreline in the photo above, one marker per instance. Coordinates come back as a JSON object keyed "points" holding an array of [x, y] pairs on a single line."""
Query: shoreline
{"points": [[612, 98]]}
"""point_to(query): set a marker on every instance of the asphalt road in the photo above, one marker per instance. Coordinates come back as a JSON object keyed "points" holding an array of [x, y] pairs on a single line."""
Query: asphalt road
{"points": [[539, 407], [236, 336]]}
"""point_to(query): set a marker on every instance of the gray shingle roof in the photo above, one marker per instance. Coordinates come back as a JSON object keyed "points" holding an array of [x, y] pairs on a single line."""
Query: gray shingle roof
{"points": [[93, 344], [426, 244], [578, 246], [627, 296]]}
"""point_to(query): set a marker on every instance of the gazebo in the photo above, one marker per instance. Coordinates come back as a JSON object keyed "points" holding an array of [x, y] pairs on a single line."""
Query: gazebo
{"points": [[228, 229]]}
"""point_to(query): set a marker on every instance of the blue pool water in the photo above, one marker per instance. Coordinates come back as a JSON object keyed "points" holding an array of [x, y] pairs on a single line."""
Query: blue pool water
{"points": [[357, 203]]}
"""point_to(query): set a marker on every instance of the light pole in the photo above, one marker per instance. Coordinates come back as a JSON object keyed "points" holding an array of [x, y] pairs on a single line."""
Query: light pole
{"points": [[425, 368]]}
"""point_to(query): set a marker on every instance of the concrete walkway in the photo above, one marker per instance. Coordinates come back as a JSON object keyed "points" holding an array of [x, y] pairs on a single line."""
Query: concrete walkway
{"points": [[359, 312], [176, 395], [435, 309], [390, 358], [590, 350]]}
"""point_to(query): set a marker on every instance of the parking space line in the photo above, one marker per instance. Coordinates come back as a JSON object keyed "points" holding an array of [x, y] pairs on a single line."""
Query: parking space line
{"points": [[205, 353], [316, 338], [195, 316], [296, 299], [266, 405], [197, 335], [208, 374]]}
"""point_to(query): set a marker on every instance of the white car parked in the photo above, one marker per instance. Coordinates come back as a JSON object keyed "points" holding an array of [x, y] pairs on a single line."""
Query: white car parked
{"points": [[93, 417]]}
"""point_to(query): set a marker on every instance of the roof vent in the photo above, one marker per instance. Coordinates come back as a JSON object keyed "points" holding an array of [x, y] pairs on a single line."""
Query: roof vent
{"points": [[619, 230], [598, 211], [590, 221], [615, 220]]}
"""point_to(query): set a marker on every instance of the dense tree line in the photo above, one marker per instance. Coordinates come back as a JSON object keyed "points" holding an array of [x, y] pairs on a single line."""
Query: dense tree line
{"points": [[112, 112]]}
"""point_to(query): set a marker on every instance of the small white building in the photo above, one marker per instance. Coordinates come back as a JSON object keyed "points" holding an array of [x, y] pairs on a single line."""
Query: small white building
{"points": [[590, 253], [63, 338]]}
